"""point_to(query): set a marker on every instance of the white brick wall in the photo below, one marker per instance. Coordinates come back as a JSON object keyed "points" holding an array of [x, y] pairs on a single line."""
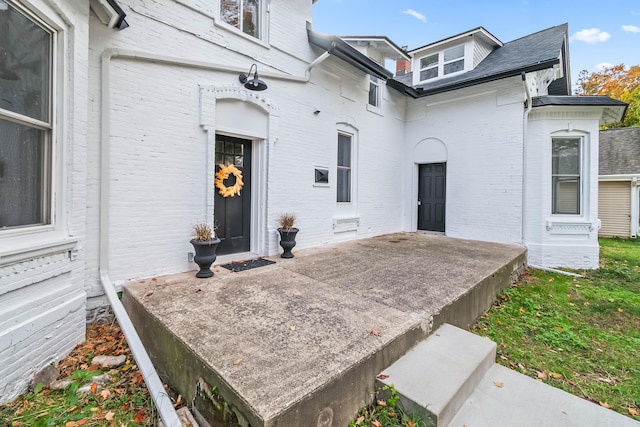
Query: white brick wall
{"points": [[482, 139], [42, 301]]}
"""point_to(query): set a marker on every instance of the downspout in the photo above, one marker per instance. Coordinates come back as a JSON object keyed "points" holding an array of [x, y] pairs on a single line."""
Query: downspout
{"points": [[525, 122], [160, 398]]}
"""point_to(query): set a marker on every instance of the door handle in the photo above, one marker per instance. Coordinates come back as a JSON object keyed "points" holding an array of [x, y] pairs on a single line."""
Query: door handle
{"points": [[419, 202]]}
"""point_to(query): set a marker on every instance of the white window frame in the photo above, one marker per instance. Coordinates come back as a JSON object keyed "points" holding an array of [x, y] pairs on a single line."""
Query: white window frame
{"points": [[435, 66], [349, 168], [440, 65], [49, 127], [451, 61], [264, 23], [582, 176], [374, 85]]}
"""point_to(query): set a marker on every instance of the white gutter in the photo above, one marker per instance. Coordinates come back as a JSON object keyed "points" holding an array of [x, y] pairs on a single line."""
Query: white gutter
{"points": [[554, 270], [160, 398], [525, 123]]}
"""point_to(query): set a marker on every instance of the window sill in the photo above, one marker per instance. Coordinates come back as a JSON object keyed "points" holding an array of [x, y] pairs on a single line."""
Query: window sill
{"points": [[233, 30], [21, 248], [375, 110], [569, 226]]}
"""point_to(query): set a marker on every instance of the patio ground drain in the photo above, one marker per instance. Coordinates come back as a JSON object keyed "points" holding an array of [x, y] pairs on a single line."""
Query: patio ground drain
{"points": [[238, 266]]}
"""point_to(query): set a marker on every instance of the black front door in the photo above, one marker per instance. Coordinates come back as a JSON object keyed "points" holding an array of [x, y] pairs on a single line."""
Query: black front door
{"points": [[232, 211], [431, 196]]}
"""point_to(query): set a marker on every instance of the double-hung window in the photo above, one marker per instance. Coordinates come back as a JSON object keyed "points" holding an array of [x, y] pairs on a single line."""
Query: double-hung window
{"points": [[344, 168], [245, 15], [26, 124], [429, 67], [566, 170], [453, 60], [374, 91]]}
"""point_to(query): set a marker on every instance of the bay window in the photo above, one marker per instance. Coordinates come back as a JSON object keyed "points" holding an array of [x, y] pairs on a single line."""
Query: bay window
{"points": [[25, 119]]}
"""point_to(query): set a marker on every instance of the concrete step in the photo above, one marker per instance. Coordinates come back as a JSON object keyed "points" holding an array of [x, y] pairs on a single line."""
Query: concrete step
{"points": [[508, 398], [436, 377]]}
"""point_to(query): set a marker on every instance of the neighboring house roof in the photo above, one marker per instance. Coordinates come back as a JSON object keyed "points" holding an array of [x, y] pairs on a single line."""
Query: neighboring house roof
{"points": [[339, 48], [620, 151], [534, 52]]}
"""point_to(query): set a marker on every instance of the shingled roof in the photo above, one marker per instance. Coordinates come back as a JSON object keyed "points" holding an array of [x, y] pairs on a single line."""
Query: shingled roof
{"points": [[536, 51], [620, 151]]}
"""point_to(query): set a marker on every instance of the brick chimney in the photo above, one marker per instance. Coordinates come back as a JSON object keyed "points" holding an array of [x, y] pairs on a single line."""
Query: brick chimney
{"points": [[402, 66]]}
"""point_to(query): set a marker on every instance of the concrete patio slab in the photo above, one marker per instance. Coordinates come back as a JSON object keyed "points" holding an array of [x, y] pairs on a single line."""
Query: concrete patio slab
{"points": [[300, 342]]}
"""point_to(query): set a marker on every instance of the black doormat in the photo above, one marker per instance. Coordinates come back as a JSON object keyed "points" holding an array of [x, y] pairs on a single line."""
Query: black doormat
{"points": [[238, 266]]}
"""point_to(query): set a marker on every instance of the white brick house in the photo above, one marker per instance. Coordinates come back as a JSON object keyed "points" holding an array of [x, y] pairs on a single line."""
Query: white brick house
{"points": [[125, 130]]}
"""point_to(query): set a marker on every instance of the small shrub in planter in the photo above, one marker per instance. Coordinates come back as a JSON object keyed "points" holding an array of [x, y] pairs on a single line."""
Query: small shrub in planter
{"points": [[205, 245], [287, 233]]}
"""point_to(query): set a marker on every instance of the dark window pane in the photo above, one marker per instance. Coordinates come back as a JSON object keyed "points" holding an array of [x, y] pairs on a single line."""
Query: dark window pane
{"points": [[344, 185], [219, 146], [24, 175], [429, 74], [229, 160], [219, 158], [25, 64], [429, 61], [454, 53], [239, 148], [373, 94], [453, 67], [344, 150], [228, 148]]}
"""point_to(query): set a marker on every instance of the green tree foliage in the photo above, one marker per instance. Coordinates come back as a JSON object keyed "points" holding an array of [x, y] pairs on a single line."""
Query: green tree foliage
{"points": [[618, 82]]}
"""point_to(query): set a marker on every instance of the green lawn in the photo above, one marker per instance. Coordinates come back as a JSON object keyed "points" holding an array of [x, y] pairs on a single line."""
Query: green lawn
{"points": [[578, 334]]}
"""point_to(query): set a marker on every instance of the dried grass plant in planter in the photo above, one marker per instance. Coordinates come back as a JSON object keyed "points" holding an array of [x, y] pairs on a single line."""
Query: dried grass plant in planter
{"points": [[205, 244], [287, 233]]}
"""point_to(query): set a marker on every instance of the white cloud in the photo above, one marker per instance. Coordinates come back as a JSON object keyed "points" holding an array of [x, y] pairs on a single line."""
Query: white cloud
{"points": [[591, 35], [601, 66], [416, 15], [631, 28]]}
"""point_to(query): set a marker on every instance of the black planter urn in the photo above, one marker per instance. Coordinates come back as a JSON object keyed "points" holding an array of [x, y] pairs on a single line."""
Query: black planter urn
{"points": [[205, 256], [287, 240]]}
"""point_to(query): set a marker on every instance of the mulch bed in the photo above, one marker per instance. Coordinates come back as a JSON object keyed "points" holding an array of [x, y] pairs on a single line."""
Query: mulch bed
{"points": [[238, 266]]}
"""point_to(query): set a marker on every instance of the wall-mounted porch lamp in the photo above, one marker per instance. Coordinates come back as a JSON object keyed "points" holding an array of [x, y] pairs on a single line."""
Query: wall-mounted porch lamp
{"points": [[255, 83]]}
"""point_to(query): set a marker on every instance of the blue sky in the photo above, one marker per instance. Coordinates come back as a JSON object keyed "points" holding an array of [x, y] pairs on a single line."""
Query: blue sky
{"points": [[600, 32]]}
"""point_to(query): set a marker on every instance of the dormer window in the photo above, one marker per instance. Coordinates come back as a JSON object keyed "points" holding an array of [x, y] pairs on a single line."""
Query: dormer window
{"points": [[442, 63], [245, 15]]}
